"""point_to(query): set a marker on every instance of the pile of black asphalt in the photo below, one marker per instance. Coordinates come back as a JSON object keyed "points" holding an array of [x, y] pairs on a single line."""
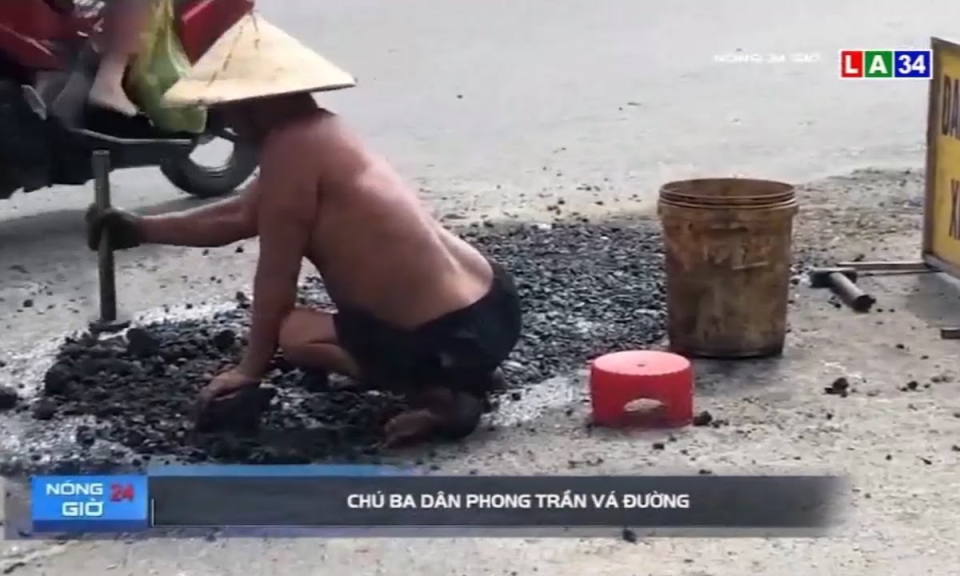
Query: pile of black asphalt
{"points": [[587, 289]]}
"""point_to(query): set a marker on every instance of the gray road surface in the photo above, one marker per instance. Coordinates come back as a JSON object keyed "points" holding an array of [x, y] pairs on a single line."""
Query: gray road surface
{"points": [[469, 95], [500, 107], [503, 106]]}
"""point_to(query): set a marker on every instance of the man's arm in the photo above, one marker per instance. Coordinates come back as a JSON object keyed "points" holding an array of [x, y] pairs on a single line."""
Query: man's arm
{"points": [[286, 217], [219, 224]]}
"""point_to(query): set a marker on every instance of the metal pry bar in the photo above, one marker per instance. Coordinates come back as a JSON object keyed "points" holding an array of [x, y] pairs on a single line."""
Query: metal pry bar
{"points": [[108, 321]]}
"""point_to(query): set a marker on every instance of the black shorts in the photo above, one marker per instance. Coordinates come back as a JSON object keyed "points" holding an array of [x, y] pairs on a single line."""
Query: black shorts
{"points": [[460, 350]]}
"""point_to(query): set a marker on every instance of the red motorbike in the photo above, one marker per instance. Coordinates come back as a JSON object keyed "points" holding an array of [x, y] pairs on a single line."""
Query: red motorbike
{"points": [[48, 132]]}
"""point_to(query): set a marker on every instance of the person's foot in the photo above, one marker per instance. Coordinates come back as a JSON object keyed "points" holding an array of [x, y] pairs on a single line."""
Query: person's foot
{"points": [[411, 427], [113, 99], [437, 414]]}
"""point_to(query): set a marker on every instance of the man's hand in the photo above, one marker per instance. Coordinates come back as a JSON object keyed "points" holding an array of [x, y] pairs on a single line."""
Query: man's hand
{"points": [[227, 383], [234, 401], [123, 228]]}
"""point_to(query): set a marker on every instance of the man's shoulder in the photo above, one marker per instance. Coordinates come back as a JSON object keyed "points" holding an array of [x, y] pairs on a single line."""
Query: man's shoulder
{"points": [[286, 155], [304, 134]]}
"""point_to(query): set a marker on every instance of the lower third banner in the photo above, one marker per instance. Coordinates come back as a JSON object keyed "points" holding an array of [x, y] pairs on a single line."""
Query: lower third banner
{"points": [[794, 502]]}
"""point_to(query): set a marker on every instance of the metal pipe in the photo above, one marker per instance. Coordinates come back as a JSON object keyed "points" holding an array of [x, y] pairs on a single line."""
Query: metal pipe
{"points": [[893, 266], [850, 293], [105, 262]]}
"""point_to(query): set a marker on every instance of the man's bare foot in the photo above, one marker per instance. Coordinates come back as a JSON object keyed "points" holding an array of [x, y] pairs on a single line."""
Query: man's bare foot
{"points": [[112, 98], [411, 427], [437, 413]]}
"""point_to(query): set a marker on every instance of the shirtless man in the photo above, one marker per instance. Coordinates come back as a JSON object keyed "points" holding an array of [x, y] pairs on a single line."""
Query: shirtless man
{"points": [[419, 310]]}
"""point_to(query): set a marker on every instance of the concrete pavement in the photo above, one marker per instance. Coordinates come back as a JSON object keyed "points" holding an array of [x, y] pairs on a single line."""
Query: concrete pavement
{"points": [[500, 108]]}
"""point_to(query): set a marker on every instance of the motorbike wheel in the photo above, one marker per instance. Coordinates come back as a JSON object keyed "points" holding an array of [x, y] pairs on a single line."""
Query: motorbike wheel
{"points": [[213, 181]]}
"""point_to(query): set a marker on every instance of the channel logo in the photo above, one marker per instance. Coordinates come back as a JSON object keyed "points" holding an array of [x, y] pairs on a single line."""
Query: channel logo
{"points": [[88, 503], [886, 64]]}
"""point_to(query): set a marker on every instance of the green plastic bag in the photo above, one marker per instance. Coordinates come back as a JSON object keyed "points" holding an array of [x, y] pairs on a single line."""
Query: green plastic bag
{"points": [[159, 65]]}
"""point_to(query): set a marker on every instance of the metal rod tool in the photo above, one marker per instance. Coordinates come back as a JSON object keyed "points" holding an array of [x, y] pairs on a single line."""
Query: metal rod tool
{"points": [[842, 282], [108, 321], [885, 266], [880, 267]]}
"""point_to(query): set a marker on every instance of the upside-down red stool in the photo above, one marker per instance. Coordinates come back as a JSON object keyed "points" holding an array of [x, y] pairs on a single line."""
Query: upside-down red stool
{"points": [[641, 388]]}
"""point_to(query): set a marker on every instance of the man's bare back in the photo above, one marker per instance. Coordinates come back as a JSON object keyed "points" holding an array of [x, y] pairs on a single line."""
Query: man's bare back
{"points": [[419, 310], [374, 243]]}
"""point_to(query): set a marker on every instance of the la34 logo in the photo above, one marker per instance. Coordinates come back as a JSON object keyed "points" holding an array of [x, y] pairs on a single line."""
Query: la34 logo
{"points": [[885, 63]]}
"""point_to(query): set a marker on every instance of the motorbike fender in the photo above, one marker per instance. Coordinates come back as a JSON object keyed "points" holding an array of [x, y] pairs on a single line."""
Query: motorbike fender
{"points": [[25, 51], [25, 25], [202, 22]]}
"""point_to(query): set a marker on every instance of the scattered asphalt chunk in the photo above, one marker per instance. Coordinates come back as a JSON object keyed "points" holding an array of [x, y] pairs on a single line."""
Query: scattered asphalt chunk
{"points": [[141, 344], [44, 410], [703, 419], [9, 398], [839, 387]]}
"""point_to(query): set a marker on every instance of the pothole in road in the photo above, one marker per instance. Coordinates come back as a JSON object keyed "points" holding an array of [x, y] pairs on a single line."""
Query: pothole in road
{"points": [[587, 289]]}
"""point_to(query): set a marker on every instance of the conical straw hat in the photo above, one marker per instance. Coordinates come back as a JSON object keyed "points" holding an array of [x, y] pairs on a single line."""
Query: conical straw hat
{"points": [[255, 59]]}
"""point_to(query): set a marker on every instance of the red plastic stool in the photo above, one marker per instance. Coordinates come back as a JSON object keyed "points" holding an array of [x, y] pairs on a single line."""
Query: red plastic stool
{"points": [[641, 388]]}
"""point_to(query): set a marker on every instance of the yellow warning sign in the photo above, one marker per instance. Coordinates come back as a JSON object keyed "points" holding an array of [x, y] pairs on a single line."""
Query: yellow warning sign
{"points": [[942, 227]]}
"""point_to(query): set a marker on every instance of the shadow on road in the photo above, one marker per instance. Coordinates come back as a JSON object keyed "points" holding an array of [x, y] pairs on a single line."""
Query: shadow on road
{"points": [[928, 297]]}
